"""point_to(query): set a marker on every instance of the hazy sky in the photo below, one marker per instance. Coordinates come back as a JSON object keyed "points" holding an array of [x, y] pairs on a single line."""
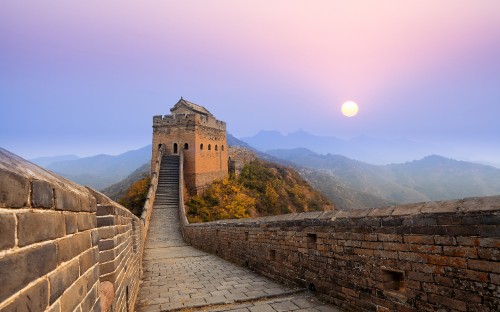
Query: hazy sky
{"points": [[86, 77]]}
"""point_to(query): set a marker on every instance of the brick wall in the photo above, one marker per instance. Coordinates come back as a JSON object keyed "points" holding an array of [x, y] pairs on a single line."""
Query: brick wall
{"points": [[420, 257], [60, 242]]}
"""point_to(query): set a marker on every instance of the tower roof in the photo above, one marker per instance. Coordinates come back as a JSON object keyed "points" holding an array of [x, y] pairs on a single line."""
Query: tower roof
{"points": [[184, 105]]}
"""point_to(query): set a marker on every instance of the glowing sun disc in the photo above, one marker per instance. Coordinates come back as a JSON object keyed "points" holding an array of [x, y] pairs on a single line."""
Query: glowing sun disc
{"points": [[350, 109]]}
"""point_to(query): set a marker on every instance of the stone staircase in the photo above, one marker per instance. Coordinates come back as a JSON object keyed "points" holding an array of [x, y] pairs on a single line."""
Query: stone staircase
{"points": [[167, 193]]}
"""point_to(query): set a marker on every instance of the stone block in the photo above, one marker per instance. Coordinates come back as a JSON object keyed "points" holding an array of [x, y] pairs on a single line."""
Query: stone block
{"points": [[32, 298], [490, 203], [71, 223], [105, 210], [67, 200], [20, 268], [36, 227], [88, 259], [90, 299], [74, 295], [106, 244], [86, 221], [14, 190], [95, 237], [62, 278], [70, 247], [7, 231], [105, 221], [41, 194]]}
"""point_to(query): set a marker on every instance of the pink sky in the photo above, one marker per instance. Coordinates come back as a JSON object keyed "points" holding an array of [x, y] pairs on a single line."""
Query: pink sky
{"points": [[409, 64]]}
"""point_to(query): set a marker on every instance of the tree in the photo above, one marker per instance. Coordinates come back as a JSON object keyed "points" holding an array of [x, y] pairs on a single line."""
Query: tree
{"points": [[135, 197]]}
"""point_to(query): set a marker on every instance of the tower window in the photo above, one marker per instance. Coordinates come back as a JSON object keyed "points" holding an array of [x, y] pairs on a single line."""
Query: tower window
{"points": [[201, 146], [222, 147], [209, 147], [175, 148], [186, 146], [216, 148]]}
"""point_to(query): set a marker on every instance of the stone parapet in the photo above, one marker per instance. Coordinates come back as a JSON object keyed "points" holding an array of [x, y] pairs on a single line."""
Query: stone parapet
{"points": [[60, 241], [418, 257]]}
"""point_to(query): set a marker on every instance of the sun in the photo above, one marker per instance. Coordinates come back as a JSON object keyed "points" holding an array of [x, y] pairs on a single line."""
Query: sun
{"points": [[350, 109]]}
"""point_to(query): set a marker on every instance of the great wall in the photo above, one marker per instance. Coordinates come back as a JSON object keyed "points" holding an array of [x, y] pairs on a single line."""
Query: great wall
{"points": [[65, 247]]}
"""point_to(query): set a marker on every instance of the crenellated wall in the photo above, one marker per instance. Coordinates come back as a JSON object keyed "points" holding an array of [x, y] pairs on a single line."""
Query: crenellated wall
{"points": [[420, 257], [64, 247]]}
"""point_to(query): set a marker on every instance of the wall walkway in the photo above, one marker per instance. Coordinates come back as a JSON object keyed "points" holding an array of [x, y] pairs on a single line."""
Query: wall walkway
{"points": [[178, 276]]}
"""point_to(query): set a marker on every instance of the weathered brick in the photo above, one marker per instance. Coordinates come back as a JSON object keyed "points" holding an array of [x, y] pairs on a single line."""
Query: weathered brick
{"points": [[447, 261], [395, 246], [489, 253], [420, 276], [86, 221], [460, 251], [14, 189], [468, 241], [72, 246], [41, 194], [483, 265], [425, 248], [419, 239], [445, 240], [22, 267], [36, 227], [67, 200], [390, 238], [448, 302], [386, 254], [413, 256], [32, 298], [7, 231], [62, 278]]}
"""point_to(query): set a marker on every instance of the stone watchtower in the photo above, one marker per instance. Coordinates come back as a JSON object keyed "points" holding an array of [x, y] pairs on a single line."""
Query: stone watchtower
{"points": [[192, 130]]}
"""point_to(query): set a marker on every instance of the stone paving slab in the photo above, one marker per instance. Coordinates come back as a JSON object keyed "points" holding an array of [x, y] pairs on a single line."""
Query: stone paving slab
{"points": [[177, 276], [297, 302]]}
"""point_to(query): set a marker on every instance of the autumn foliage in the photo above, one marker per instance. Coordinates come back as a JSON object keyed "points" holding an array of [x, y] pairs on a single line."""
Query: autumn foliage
{"points": [[135, 197], [261, 189]]}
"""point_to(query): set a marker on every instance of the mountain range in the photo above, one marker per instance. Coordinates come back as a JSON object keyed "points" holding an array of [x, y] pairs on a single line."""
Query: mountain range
{"points": [[98, 171], [430, 178], [348, 183], [364, 148]]}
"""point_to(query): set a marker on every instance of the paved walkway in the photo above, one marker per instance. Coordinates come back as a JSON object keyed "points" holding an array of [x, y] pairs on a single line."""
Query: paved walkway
{"points": [[178, 276]]}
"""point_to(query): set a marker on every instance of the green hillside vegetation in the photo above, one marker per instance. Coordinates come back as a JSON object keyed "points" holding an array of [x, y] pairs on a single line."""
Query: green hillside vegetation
{"points": [[261, 189]]}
